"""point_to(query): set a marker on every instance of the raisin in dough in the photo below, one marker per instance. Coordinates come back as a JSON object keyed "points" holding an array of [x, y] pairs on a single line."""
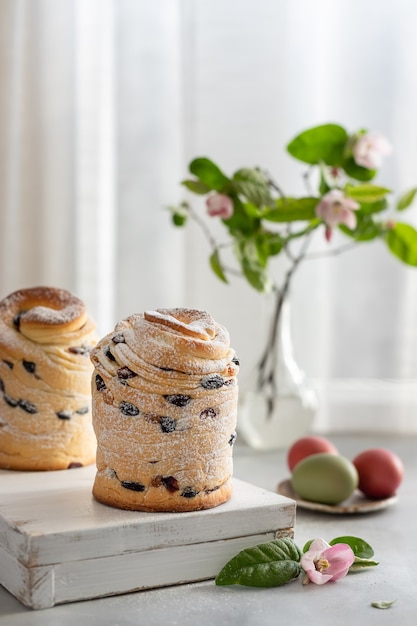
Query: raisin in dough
{"points": [[164, 412], [45, 381]]}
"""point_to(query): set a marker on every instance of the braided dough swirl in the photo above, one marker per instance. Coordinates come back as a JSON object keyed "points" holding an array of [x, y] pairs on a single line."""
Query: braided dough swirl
{"points": [[45, 380], [164, 412]]}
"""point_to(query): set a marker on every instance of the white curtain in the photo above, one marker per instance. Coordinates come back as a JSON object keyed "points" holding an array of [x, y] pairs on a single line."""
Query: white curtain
{"points": [[102, 105]]}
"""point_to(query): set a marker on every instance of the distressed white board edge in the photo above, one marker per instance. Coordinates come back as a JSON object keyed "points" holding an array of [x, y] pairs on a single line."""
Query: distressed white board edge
{"points": [[94, 553], [34, 587], [53, 528], [82, 580]]}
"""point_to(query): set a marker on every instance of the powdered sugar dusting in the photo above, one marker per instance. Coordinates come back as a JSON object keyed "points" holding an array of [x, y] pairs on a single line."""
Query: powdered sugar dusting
{"points": [[191, 322], [179, 453], [48, 316], [45, 374]]}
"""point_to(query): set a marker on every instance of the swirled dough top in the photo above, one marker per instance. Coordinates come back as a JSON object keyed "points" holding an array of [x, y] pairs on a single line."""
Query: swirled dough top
{"points": [[45, 315], [182, 340]]}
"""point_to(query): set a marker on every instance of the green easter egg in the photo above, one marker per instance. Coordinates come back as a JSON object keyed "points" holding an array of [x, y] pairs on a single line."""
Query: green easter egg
{"points": [[325, 478]]}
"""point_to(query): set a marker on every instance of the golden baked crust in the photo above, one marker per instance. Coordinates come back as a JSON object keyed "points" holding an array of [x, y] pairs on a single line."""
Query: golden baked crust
{"points": [[45, 380], [164, 412]]}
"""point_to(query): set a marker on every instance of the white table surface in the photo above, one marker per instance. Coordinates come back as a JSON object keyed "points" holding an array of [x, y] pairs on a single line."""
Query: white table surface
{"points": [[391, 532]]}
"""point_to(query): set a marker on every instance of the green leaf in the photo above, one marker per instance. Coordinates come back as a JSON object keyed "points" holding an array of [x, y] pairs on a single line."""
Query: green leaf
{"points": [[253, 185], [179, 214], [307, 545], [252, 210], [208, 173], [322, 143], [366, 229], [268, 244], [402, 241], [356, 171], [366, 192], [368, 208], [217, 267], [359, 564], [178, 219], [253, 267], [406, 199], [324, 187], [269, 564], [292, 209], [360, 547], [196, 186], [383, 604], [257, 277], [241, 223]]}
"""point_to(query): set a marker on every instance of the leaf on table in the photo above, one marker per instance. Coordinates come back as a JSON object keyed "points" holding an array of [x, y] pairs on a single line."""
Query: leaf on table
{"points": [[383, 604], [360, 547], [269, 564]]}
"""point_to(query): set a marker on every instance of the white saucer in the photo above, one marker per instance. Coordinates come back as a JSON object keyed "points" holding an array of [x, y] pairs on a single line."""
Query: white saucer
{"points": [[357, 503]]}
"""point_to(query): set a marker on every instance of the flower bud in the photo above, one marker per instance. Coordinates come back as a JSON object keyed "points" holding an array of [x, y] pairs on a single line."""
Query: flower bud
{"points": [[219, 205]]}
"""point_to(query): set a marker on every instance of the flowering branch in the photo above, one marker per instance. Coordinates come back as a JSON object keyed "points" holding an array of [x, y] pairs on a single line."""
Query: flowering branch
{"points": [[262, 222]]}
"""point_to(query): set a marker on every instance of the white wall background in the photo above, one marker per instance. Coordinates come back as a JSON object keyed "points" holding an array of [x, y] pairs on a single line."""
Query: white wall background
{"points": [[104, 103]]}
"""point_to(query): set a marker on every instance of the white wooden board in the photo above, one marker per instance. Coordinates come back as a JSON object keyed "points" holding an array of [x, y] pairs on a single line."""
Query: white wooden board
{"points": [[57, 544]]}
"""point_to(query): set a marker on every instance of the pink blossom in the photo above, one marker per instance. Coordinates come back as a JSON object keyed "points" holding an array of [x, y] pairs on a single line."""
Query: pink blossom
{"points": [[328, 234], [323, 562], [219, 205], [336, 208], [369, 150]]}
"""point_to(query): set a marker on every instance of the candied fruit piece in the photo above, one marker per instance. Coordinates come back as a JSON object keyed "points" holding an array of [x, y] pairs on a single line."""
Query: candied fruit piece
{"points": [[82, 350], [189, 492], [170, 483], [236, 360], [233, 438], [109, 355], [8, 363], [1, 385], [133, 486], [74, 465], [178, 399], [16, 319], [152, 418], [168, 424], [125, 372], [118, 338], [29, 366], [27, 406], [207, 491], [210, 412], [212, 381], [10, 401], [129, 409], [64, 415], [100, 384], [83, 410]]}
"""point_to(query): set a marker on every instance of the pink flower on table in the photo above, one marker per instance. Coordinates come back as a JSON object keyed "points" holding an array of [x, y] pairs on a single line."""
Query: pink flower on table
{"points": [[369, 150], [219, 205], [335, 208], [323, 562]]}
